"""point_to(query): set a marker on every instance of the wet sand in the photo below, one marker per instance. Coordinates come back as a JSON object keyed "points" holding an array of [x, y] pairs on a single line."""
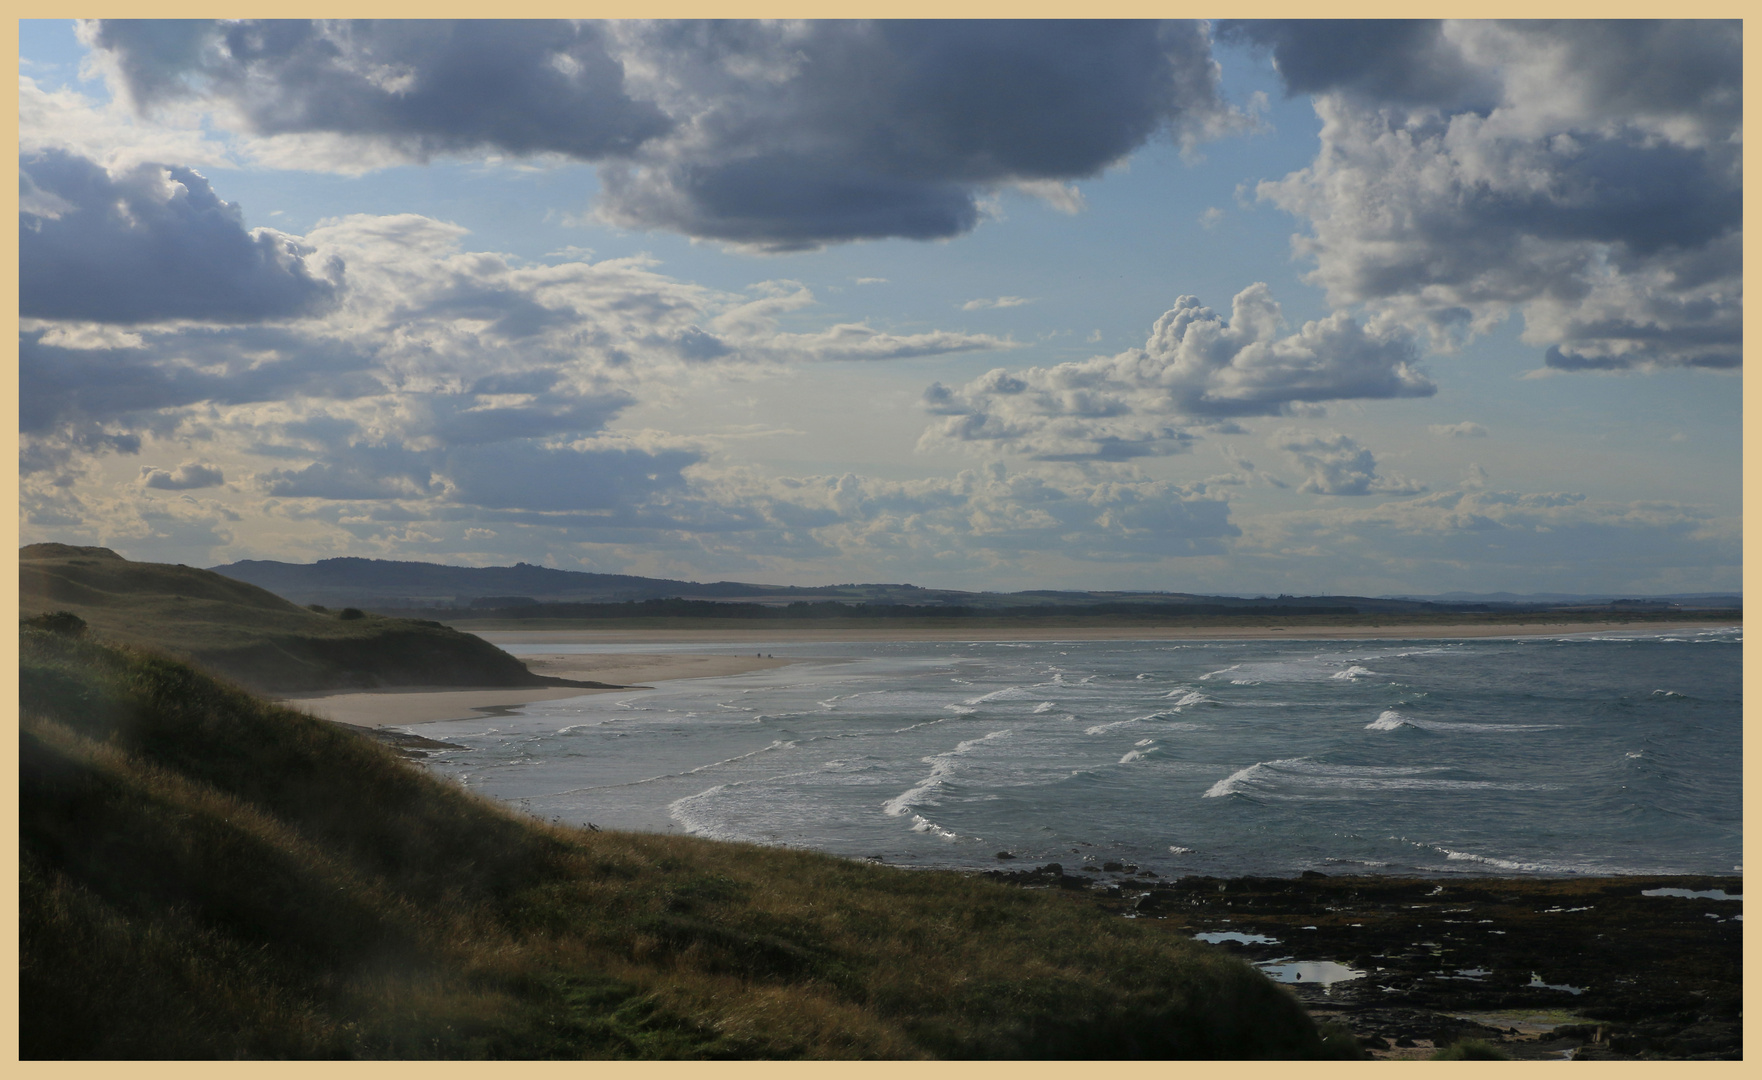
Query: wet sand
{"points": [[403, 706]]}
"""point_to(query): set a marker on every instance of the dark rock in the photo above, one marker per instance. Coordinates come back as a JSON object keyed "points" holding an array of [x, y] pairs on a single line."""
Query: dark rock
{"points": [[1113, 867], [1005, 855]]}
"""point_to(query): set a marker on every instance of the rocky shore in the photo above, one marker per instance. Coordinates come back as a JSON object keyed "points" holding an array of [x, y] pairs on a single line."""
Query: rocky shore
{"points": [[1618, 968]]}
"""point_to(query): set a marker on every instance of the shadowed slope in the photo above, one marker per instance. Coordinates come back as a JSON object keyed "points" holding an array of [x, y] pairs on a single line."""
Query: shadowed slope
{"points": [[250, 635], [207, 875]]}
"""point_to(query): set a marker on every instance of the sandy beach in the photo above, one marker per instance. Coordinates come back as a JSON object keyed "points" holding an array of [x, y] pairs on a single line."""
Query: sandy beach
{"points": [[402, 706]]}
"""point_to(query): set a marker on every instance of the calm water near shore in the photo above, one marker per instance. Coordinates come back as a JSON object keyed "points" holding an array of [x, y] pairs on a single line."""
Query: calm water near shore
{"points": [[1608, 753]]}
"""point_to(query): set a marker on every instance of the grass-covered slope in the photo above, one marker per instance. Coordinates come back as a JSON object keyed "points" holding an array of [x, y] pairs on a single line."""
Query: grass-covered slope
{"points": [[207, 875], [250, 635]]}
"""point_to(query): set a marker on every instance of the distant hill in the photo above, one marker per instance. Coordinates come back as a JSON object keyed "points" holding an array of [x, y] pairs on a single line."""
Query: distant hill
{"points": [[390, 583], [408, 586], [1685, 600], [249, 634]]}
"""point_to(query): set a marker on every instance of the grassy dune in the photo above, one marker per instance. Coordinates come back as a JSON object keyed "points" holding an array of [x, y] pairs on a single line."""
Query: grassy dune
{"points": [[249, 635], [207, 875]]}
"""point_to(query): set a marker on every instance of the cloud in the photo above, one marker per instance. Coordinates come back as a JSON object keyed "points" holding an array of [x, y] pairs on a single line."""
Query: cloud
{"points": [[442, 381], [151, 244], [1195, 365], [1525, 541], [1467, 429], [528, 476], [189, 476], [981, 516], [863, 130], [997, 302], [1405, 61], [1063, 197], [1337, 465], [420, 87], [1584, 174], [770, 135]]}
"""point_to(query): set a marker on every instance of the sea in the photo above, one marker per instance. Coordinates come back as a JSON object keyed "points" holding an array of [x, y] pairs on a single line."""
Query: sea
{"points": [[1606, 753]]}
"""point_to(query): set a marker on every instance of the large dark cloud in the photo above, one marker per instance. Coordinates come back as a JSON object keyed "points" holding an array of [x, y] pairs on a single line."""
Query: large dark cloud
{"points": [[428, 86], [153, 243], [872, 129], [1393, 60], [770, 134]]}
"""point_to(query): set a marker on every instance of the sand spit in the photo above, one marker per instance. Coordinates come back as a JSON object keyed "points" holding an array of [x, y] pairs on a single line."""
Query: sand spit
{"points": [[402, 706]]}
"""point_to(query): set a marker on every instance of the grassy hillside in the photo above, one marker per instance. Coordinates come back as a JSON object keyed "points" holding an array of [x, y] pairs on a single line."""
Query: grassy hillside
{"points": [[250, 635], [207, 875]]}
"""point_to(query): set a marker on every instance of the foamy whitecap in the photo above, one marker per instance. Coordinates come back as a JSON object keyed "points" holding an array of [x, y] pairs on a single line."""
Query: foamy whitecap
{"points": [[1302, 778], [1390, 720], [1353, 672], [1045, 706], [1510, 864], [998, 695], [922, 824], [941, 765], [1185, 698]]}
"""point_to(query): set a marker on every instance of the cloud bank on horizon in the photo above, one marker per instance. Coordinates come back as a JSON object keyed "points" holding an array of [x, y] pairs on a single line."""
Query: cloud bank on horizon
{"points": [[1537, 198]]}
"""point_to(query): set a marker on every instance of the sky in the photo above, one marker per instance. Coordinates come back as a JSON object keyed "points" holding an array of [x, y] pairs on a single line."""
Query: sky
{"points": [[1218, 307]]}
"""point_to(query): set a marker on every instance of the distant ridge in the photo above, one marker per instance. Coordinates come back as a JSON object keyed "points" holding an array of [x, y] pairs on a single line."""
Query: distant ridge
{"points": [[390, 585]]}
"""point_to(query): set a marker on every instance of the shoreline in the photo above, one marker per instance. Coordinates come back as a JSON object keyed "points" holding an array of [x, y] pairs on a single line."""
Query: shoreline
{"points": [[1551, 968], [407, 705], [502, 635], [404, 706]]}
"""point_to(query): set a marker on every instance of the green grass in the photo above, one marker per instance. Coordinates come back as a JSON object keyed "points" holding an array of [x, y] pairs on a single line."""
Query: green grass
{"points": [[206, 875], [250, 635]]}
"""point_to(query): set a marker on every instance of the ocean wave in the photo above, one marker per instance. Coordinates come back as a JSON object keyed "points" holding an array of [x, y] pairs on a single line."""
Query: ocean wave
{"points": [[941, 766], [1045, 706], [1190, 697], [959, 710], [1352, 673], [572, 728], [1315, 779], [1513, 865], [1391, 720], [921, 824], [1109, 726], [1005, 694], [1099, 729], [1144, 749]]}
